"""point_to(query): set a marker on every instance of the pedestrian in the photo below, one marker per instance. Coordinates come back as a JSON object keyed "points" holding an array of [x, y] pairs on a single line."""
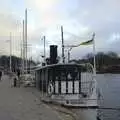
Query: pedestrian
{"points": [[0, 75], [15, 82], [18, 73]]}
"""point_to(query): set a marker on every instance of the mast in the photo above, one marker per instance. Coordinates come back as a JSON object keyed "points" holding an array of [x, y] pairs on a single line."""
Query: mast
{"points": [[63, 57], [23, 57], [26, 37], [10, 50], [44, 49]]}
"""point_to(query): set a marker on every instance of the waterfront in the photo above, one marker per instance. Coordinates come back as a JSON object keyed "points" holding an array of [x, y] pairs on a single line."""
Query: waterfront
{"points": [[110, 89], [109, 85]]}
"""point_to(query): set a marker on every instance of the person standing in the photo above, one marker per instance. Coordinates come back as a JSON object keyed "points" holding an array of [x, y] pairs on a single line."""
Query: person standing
{"points": [[18, 73], [15, 82], [0, 75]]}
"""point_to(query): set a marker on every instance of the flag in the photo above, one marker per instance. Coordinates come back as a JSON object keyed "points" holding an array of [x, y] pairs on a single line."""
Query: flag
{"points": [[89, 42]]}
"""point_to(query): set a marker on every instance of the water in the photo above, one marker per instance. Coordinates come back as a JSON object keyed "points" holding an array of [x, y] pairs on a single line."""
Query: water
{"points": [[109, 85]]}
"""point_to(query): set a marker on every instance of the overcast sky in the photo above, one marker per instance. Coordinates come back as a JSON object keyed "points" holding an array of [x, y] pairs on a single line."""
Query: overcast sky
{"points": [[80, 19]]}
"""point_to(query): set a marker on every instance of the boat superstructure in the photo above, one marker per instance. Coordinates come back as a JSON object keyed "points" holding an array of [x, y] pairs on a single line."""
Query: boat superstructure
{"points": [[71, 85]]}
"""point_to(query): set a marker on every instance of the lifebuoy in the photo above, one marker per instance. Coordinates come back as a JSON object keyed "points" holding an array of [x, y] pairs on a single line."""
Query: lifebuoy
{"points": [[50, 89]]}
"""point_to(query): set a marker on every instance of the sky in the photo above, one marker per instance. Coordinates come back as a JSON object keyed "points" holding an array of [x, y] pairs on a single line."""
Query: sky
{"points": [[79, 18]]}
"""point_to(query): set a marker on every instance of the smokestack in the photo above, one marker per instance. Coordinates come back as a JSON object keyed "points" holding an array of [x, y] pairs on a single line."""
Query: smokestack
{"points": [[53, 54]]}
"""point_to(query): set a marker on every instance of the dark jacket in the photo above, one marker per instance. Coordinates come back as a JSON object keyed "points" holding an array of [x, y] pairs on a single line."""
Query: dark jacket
{"points": [[0, 73], [18, 73]]}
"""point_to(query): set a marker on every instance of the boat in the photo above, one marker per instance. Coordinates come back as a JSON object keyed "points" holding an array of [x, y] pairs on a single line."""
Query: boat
{"points": [[67, 84]]}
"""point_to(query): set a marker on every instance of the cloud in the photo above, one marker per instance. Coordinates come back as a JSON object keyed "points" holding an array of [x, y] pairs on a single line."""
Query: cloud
{"points": [[8, 23], [44, 11], [79, 18]]}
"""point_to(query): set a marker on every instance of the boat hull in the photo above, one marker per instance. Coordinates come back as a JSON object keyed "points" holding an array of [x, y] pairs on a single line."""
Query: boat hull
{"points": [[74, 100]]}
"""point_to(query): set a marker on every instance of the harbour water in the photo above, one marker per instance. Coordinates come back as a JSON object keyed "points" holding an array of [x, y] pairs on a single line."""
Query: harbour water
{"points": [[109, 85]]}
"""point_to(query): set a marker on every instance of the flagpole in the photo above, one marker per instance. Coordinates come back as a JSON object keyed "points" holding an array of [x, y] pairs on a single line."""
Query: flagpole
{"points": [[94, 52]]}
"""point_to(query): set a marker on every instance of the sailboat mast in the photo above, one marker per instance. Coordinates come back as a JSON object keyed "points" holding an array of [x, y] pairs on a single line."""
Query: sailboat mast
{"points": [[23, 58], [26, 37]]}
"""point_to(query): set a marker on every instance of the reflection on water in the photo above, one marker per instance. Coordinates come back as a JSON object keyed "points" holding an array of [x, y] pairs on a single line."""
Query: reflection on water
{"points": [[110, 88], [86, 114]]}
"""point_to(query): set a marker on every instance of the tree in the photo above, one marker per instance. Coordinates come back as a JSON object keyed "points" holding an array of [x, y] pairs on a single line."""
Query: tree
{"points": [[103, 60], [100, 60], [16, 62], [88, 56], [112, 54]]}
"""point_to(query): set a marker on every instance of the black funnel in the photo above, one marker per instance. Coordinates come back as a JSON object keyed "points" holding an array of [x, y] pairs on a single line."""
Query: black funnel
{"points": [[53, 54]]}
